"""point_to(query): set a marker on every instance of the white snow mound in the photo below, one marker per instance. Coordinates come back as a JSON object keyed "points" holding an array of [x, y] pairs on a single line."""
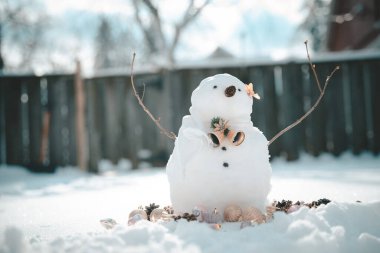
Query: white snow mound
{"points": [[61, 212]]}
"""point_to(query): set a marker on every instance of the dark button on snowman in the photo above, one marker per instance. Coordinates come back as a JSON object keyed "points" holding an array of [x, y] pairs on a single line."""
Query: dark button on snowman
{"points": [[220, 159]]}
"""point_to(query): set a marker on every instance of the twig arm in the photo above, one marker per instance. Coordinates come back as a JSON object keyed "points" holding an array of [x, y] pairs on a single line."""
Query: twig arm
{"points": [[322, 92], [170, 135], [307, 113], [312, 66]]}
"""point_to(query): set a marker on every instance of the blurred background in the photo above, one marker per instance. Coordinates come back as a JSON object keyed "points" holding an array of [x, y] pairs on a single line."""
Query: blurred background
{"points": [[44, 36], [65, 95]]}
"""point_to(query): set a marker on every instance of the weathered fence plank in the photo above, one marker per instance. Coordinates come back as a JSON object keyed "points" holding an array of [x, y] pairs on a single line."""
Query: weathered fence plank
{"points": [[291, 108], [100, 115], [62, 126], [335, 115], [112, 128], [92, 113], [24, 120], [374, 77], [147, 132], [54, 107], [35, 120], [133, 127], [359, 128], [122, 140], [153, 139], [13, 128], [315, 124], [174, 80], [2, 123], [270, 110], [256, 76], [71, 136], [80, 142]]}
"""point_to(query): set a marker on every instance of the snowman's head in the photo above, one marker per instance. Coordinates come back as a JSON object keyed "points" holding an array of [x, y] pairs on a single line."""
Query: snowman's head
{"points": [[222, 95]]}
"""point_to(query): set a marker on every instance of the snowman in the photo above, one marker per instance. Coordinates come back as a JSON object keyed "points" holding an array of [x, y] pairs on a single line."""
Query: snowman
{"points": [[220, 158]]}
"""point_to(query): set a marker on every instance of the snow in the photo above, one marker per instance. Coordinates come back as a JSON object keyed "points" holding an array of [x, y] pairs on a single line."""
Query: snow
{"points": [[61, 212]]}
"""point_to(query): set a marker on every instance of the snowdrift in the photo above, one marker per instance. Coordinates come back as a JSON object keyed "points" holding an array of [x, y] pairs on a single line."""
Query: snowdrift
{"points": [[61, 212]]}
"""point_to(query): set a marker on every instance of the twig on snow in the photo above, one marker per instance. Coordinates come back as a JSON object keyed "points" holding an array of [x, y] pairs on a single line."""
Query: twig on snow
{"points": [[164, 131], [322, 92]]}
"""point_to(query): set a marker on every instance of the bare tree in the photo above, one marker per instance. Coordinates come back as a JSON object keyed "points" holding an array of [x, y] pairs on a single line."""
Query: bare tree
{"points": [[104, 45], [157, 42], [316, 22], [22, 24], [113, 43]]}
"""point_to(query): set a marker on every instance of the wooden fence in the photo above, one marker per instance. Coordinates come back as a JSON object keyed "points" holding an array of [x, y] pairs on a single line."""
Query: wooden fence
{"points": [[25, 103], [38, 114]]}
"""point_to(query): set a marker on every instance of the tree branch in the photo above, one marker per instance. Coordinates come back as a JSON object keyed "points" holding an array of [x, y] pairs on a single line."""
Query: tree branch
{"points": [[152, 32], [315, 104], [157, 23], [190, 14], [151, 7], [147, 35], [164, 131]]}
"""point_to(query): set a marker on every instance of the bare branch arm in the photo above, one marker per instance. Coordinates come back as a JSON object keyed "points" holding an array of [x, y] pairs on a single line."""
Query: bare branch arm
{"points": [[170, 135], [315, 104], [312, 66]]}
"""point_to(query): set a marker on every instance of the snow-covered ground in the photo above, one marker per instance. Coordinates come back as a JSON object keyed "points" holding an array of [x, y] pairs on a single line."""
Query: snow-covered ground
{"points": [[61, 212]]}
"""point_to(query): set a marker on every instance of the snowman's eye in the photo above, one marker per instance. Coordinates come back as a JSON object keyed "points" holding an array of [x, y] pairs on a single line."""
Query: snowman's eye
{"points": [[215, 87], [239, 89]]}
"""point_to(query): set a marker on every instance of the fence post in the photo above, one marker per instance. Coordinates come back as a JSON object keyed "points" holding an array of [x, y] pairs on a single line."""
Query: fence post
{"points": [[93, 110], [81, 140]]}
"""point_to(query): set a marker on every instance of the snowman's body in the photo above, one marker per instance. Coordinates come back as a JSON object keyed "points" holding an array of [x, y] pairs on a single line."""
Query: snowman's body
{"points": [[203, 175]]}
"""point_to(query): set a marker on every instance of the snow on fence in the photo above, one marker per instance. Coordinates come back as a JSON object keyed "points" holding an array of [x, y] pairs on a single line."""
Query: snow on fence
{"points": [[38, 114]]}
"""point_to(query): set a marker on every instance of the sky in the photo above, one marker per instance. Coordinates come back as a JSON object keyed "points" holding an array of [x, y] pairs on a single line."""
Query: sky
{"points": [[246, 28]]}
